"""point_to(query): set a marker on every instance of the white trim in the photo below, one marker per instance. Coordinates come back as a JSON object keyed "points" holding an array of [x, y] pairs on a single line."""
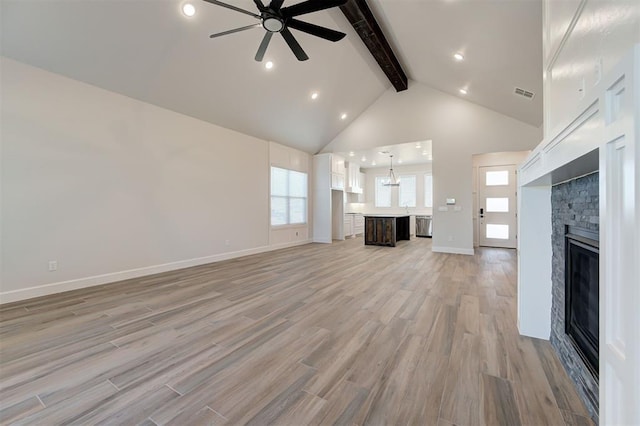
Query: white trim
{"points": [[322, 240], [79, 283], [452, 250], [289, 244]]}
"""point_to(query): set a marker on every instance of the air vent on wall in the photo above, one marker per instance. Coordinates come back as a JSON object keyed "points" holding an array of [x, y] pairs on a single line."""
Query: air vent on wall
{"points": [[527, 94]]}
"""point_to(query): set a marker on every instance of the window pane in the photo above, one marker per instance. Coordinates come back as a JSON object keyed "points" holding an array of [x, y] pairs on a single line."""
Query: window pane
{"points": [[278, 181], [297, 184], [278, 210], [383, 193], [499, 232], [498, 178], [297, 210], [407, 191], [497, 205], [428, 191]]}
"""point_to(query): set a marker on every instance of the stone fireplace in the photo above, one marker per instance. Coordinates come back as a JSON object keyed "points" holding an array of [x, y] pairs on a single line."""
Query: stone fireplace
{"points": [[574, 310]]}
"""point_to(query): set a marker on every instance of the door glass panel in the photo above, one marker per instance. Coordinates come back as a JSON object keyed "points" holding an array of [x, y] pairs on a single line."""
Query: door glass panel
{"points": [[497, 205], [498, 178], [499, 232]]}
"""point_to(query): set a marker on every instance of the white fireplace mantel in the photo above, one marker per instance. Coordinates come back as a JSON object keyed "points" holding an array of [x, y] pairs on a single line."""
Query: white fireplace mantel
{"points": [[604, 136]]}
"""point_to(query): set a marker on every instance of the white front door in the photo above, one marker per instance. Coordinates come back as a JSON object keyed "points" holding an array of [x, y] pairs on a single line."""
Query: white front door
{"points": [[497, 206]]}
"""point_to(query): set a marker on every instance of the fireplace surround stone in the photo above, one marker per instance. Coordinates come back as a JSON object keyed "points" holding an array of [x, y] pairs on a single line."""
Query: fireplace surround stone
{"points": [[574, 203]]}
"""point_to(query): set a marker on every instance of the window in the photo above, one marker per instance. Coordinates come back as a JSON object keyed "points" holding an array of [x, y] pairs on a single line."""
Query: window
{"points": [[499, 178], [499, 232], [407, 191], [383, 193], [428, 191], [497, 205], [288, 197]]}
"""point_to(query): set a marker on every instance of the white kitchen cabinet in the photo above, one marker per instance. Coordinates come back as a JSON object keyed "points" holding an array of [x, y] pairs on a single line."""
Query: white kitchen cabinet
{"points": [[353, 224], [337, 181], [337, 172], [348, 226], [361, 196], [353, 184], [358, 224]]}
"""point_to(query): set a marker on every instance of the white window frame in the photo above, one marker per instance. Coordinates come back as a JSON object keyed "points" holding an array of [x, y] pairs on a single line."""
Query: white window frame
{"points": [[378, 185], [288, 199], [428, 190], [403, 179]]}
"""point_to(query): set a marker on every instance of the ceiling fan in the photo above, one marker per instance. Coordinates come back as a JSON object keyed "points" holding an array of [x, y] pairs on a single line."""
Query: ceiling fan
{"points": [[277, 19]]}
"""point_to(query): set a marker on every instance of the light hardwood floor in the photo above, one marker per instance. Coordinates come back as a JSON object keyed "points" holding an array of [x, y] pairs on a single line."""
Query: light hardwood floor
{"points": [[319, 334]]}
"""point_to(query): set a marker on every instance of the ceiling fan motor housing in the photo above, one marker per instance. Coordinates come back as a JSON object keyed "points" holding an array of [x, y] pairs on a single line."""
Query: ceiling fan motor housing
{"points": [[272, 23]]}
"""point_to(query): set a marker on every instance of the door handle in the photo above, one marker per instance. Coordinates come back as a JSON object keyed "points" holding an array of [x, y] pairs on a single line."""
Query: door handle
{"points": [[481, 212]]}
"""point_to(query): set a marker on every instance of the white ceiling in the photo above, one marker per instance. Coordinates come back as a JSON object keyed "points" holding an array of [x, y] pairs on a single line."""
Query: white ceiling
{"points": [[149, 51], [405, 154]]}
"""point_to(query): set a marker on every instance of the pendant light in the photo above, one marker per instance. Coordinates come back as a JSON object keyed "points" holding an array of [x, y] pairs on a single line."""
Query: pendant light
{"points": [[392, 181]]}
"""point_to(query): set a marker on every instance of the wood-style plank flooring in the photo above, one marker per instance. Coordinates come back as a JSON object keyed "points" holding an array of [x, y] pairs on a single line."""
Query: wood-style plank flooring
{"points": [[320, 334]]}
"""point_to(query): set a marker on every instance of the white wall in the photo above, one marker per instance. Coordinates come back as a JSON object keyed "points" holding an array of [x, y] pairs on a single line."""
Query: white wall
{"points": [[458, 129], [583, 40], [110, 187]]}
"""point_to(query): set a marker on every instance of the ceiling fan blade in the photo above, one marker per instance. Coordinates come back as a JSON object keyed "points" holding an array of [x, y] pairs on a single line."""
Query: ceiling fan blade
{"points": [[310, 6], [263, 46], [237, 9], [235, 30], [260, 5], [316, 30], [294, 45], [276, 4]]}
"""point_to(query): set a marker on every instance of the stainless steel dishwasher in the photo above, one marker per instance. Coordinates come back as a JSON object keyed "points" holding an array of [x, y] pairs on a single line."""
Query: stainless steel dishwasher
{"points": [[424, 226]]}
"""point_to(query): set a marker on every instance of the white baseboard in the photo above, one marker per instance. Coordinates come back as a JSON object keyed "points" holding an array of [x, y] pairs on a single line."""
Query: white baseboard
{"points": [[452, 250], [323, 241], [62, 286], [289, 244]]}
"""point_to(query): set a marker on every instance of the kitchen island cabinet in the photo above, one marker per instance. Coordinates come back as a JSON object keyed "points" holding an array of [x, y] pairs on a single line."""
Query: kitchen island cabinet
{"points": [[385, 230]]}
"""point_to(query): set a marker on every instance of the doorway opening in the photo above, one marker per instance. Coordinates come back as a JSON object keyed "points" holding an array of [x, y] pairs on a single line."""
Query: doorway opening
{"points": [[495, 199]]}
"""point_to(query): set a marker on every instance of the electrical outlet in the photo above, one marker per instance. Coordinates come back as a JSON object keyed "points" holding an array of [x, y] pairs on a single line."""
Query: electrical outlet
{"points": [[53, 265]]}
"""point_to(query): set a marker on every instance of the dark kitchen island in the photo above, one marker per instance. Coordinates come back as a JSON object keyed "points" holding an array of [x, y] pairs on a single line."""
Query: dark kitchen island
{"points": [[385, 230]]}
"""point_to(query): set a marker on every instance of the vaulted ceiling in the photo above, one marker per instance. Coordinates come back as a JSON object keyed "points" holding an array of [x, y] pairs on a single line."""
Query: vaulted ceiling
{"points": [[150, 51]]}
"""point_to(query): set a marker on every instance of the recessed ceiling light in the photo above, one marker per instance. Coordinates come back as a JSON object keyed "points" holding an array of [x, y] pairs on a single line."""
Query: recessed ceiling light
{"points": [[343, 116], [188, 9], [268, 65], [373, 163], [351, 154], [463, 91], [314, 95], [418, 146], [458, 57], [363, 158], [424, 152], [399, 161]]}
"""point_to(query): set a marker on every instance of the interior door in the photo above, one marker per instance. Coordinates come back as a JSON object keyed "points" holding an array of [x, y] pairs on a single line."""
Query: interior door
{"points": [[497, 206]]}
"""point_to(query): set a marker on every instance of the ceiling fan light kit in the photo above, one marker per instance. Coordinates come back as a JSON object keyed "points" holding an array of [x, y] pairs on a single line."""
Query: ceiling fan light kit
{"points": [[277, 19]]}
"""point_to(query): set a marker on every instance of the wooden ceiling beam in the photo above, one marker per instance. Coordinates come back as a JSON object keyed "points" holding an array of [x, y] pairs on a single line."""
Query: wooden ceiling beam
{"points": [[365, 24]]}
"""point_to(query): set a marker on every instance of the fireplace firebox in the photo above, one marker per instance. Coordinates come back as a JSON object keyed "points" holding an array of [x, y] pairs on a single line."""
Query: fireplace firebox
{"points": [[582, 293]]}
